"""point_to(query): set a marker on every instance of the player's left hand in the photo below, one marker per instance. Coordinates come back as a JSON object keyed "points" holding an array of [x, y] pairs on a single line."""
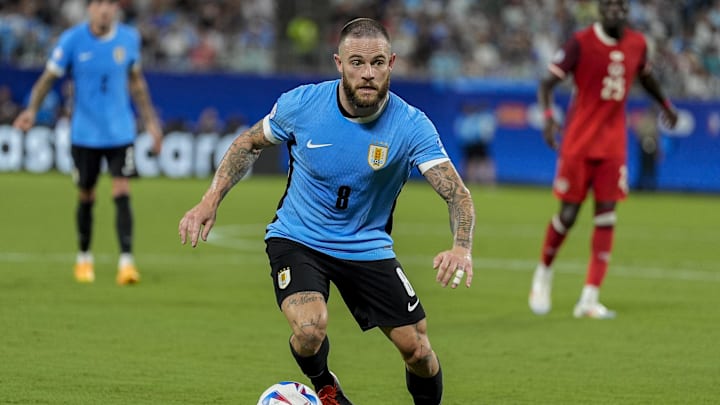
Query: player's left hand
{"points": [[452, 265], [669, 117], [550, 131], [197, 223]]}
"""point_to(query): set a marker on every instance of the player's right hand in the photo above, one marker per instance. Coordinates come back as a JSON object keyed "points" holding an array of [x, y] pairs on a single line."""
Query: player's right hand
{"points": [[550, 131], [25, 120], [197, 223], [154, 129], [456, 262]]}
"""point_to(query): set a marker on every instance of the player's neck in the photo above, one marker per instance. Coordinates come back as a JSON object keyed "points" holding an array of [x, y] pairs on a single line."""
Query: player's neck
{"points": [[358, 112], [614, 32], [100, 30]]}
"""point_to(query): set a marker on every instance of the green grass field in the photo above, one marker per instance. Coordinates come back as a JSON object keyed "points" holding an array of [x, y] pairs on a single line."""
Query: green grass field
{"points": [[202, 326]]}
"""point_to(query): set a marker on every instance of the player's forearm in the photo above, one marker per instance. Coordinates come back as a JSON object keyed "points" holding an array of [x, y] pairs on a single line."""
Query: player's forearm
{"points": [[141, 97], [545, 91], [447, 183], [236, 163], [40, 90], [462, 218], [652, 86], [543, 98]]}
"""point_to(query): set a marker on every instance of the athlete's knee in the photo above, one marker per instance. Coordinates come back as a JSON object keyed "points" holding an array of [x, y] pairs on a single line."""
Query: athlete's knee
{"points": [[310, 331], [421, 360], [414, 346], [86, 195], [120, 186], [307, 340], [307, 315], [566, 217]]}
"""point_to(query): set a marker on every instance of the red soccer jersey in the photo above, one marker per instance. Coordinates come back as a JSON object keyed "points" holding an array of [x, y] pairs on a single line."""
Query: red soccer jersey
{"points": [[603, 70]]}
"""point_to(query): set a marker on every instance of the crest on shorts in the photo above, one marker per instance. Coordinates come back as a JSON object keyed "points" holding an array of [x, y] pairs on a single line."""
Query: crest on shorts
{"points": [[377, 156], [562, 185], [283, 278], [119, 54]]}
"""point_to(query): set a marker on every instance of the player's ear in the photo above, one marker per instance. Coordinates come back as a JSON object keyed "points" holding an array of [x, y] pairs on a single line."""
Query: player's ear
{"points": [[391, 62], [338, 62]]}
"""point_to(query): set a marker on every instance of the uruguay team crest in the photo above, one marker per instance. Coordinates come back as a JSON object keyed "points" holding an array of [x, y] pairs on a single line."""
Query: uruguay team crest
{"points": [[377, 156], [283, 278], [119, 54]]}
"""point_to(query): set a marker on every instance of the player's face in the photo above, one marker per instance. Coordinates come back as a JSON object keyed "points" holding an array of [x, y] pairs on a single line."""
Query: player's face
{"points": [[365, 65], [102, 15], [613, 13]]}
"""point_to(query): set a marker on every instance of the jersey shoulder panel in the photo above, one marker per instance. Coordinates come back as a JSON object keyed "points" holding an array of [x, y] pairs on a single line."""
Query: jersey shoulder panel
{"points": [[409, 111], [418, 120], [130, 37], [423, 138], [295, 104], [585, 33], [305, 92], [62, 53], [566, 58]]}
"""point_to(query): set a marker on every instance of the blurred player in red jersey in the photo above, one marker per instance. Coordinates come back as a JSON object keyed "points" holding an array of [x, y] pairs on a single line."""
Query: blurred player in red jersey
{"points": [[604, 59]]}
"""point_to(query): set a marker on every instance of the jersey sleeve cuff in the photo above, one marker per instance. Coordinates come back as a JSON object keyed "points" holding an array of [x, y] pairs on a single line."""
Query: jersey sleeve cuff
{"points": [[267, 130], [423, 167], [55, 69]]}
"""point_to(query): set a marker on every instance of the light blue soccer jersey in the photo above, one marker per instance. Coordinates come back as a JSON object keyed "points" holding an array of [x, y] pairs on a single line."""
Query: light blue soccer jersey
{"points": [[102, 116], [346, 174]]}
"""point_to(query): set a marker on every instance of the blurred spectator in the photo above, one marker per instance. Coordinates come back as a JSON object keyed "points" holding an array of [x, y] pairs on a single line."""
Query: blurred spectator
{"points": [[234, 124], [175, 125], [208, 122], [439, 39], [204, 55], [475, 129], [303, 33]]}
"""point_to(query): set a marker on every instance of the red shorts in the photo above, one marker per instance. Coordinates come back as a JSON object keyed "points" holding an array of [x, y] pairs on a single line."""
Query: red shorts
{"points": [[575, 176]]}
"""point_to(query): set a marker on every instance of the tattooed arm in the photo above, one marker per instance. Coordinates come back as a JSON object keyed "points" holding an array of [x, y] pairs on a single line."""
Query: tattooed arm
{"points": [[141, 96], [40, 89], [238, 159], [448, 184]]}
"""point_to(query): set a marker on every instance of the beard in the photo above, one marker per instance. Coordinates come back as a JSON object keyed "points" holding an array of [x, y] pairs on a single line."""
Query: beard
{"points": [[365, 102]]}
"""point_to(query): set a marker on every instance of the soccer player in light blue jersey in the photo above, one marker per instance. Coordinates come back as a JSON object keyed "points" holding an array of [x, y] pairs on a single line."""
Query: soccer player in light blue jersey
{"points": [[353, 145], [103, 59]]}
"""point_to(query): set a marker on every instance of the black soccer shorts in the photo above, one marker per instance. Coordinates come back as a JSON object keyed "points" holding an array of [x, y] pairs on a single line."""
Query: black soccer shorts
{"points": [[88, 163], [377, 293]]}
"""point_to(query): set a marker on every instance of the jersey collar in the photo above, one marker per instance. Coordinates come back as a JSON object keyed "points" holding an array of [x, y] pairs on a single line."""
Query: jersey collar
{"points": [[602, 36], [107, 37], [372, 117]]}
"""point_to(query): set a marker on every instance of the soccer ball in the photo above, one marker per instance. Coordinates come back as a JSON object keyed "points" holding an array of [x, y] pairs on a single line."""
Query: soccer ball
{"points": [[289, 393]]}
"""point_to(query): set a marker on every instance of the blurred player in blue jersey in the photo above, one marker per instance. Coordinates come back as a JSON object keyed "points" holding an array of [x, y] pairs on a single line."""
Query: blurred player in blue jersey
{"points": [[103, 59], [353, 145]]}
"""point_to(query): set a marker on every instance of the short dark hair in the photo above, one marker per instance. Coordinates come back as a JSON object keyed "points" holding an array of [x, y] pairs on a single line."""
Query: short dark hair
{"points": [[92, 1], [362, 28]]}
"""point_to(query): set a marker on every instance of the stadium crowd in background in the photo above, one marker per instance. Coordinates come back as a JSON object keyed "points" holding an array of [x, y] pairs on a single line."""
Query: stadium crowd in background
{"points": [[433, 38]]}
